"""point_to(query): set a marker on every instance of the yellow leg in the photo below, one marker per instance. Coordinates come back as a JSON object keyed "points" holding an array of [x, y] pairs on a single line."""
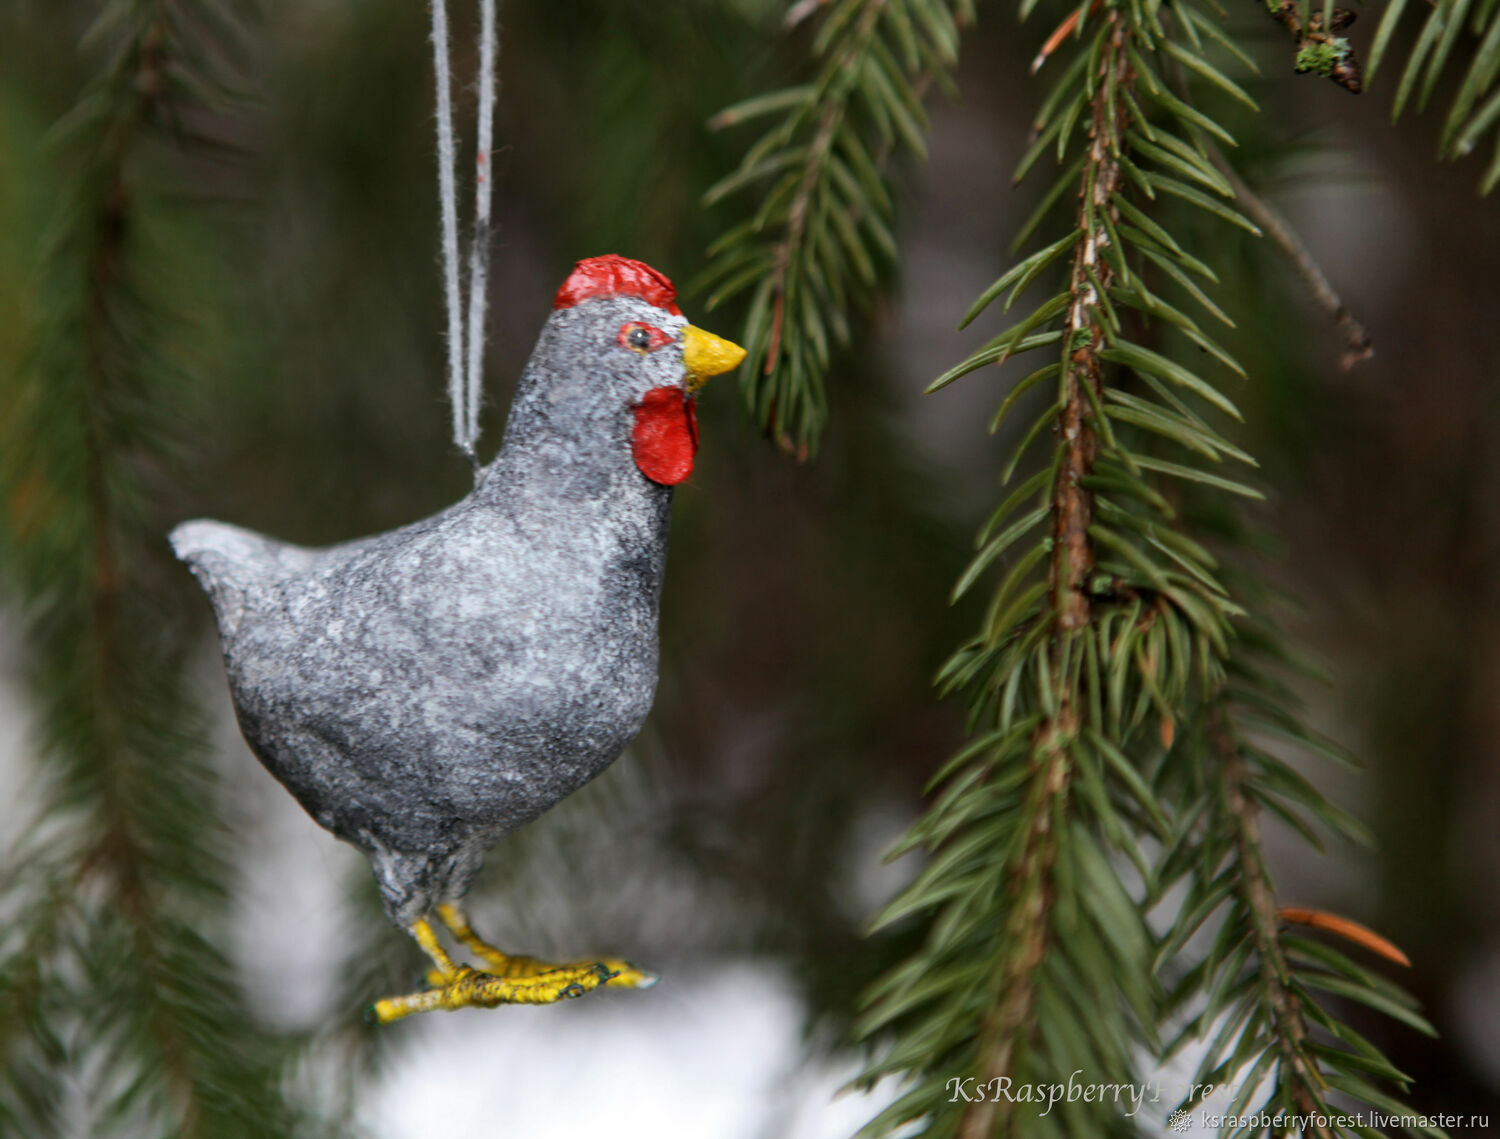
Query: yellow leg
{"points": [[513, 979], [394, 1008], [518, 967], [499, 963], [427, 939]]}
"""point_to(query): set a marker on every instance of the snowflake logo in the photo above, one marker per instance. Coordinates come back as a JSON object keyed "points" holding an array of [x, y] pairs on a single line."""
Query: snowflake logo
{"points": [[1180, 1121]]}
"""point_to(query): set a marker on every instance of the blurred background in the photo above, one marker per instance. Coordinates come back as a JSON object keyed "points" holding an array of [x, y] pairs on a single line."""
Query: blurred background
{"points": [[736, 848]]}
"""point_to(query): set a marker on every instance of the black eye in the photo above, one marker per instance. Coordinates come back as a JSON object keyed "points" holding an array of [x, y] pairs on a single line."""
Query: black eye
{"points": [[639, 339]]}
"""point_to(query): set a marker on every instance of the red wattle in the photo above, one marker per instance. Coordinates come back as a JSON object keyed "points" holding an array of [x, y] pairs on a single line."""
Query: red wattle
{"points": [[665, 437]]}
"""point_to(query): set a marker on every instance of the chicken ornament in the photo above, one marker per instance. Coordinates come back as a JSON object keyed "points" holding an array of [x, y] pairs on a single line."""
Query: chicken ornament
{"points": [[425, 691]]}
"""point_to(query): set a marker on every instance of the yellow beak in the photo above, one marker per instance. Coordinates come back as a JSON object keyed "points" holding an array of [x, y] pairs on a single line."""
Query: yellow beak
{"points": [[705, 355]]}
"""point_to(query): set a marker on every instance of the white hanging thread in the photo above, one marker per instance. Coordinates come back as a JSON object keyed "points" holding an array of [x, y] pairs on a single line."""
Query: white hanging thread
{"points": [[479, 252], [465, 346]]}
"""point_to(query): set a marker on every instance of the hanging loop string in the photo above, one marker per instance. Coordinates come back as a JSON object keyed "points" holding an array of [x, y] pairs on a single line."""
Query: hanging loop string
{"points": [[465, 345], [479, 251]]}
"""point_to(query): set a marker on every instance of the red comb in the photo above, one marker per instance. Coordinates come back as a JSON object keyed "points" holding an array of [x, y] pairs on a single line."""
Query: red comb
{"points": [[613, 275]]}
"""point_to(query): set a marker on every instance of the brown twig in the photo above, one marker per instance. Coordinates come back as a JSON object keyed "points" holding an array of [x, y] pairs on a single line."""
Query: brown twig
{"points": [[1357, 342]]}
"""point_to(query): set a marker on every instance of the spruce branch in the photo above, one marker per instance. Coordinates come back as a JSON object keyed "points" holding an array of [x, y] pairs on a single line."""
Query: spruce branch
{"points": [[822, 232], [1076, 680], [1071, 563], [111, 953], [1256, 987]]}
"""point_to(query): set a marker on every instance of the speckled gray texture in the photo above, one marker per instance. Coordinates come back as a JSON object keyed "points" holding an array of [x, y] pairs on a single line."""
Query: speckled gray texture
{"points": [[424, 691]]}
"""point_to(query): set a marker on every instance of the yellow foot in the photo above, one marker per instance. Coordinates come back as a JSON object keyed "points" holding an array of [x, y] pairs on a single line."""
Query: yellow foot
{"points": [[517, 967], [547, 984]]}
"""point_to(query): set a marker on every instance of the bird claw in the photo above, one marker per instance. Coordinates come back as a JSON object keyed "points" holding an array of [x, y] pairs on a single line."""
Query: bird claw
{"points": [[619, 974], [537, 983]]}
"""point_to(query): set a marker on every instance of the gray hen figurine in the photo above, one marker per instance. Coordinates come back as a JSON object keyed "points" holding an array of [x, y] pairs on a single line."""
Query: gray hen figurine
{"points": [[425, 691]]}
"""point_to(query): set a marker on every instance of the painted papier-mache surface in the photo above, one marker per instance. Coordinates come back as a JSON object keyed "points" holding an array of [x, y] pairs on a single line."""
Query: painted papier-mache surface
{"points": [[425, 691]]}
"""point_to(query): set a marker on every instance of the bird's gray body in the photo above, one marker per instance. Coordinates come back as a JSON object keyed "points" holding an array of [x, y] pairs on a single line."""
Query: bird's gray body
{"points": [[424, 691]]}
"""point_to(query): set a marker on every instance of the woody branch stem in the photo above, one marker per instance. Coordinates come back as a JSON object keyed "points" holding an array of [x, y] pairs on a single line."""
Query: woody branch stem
{"points": [[1071, 564], [1260, 899]]}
